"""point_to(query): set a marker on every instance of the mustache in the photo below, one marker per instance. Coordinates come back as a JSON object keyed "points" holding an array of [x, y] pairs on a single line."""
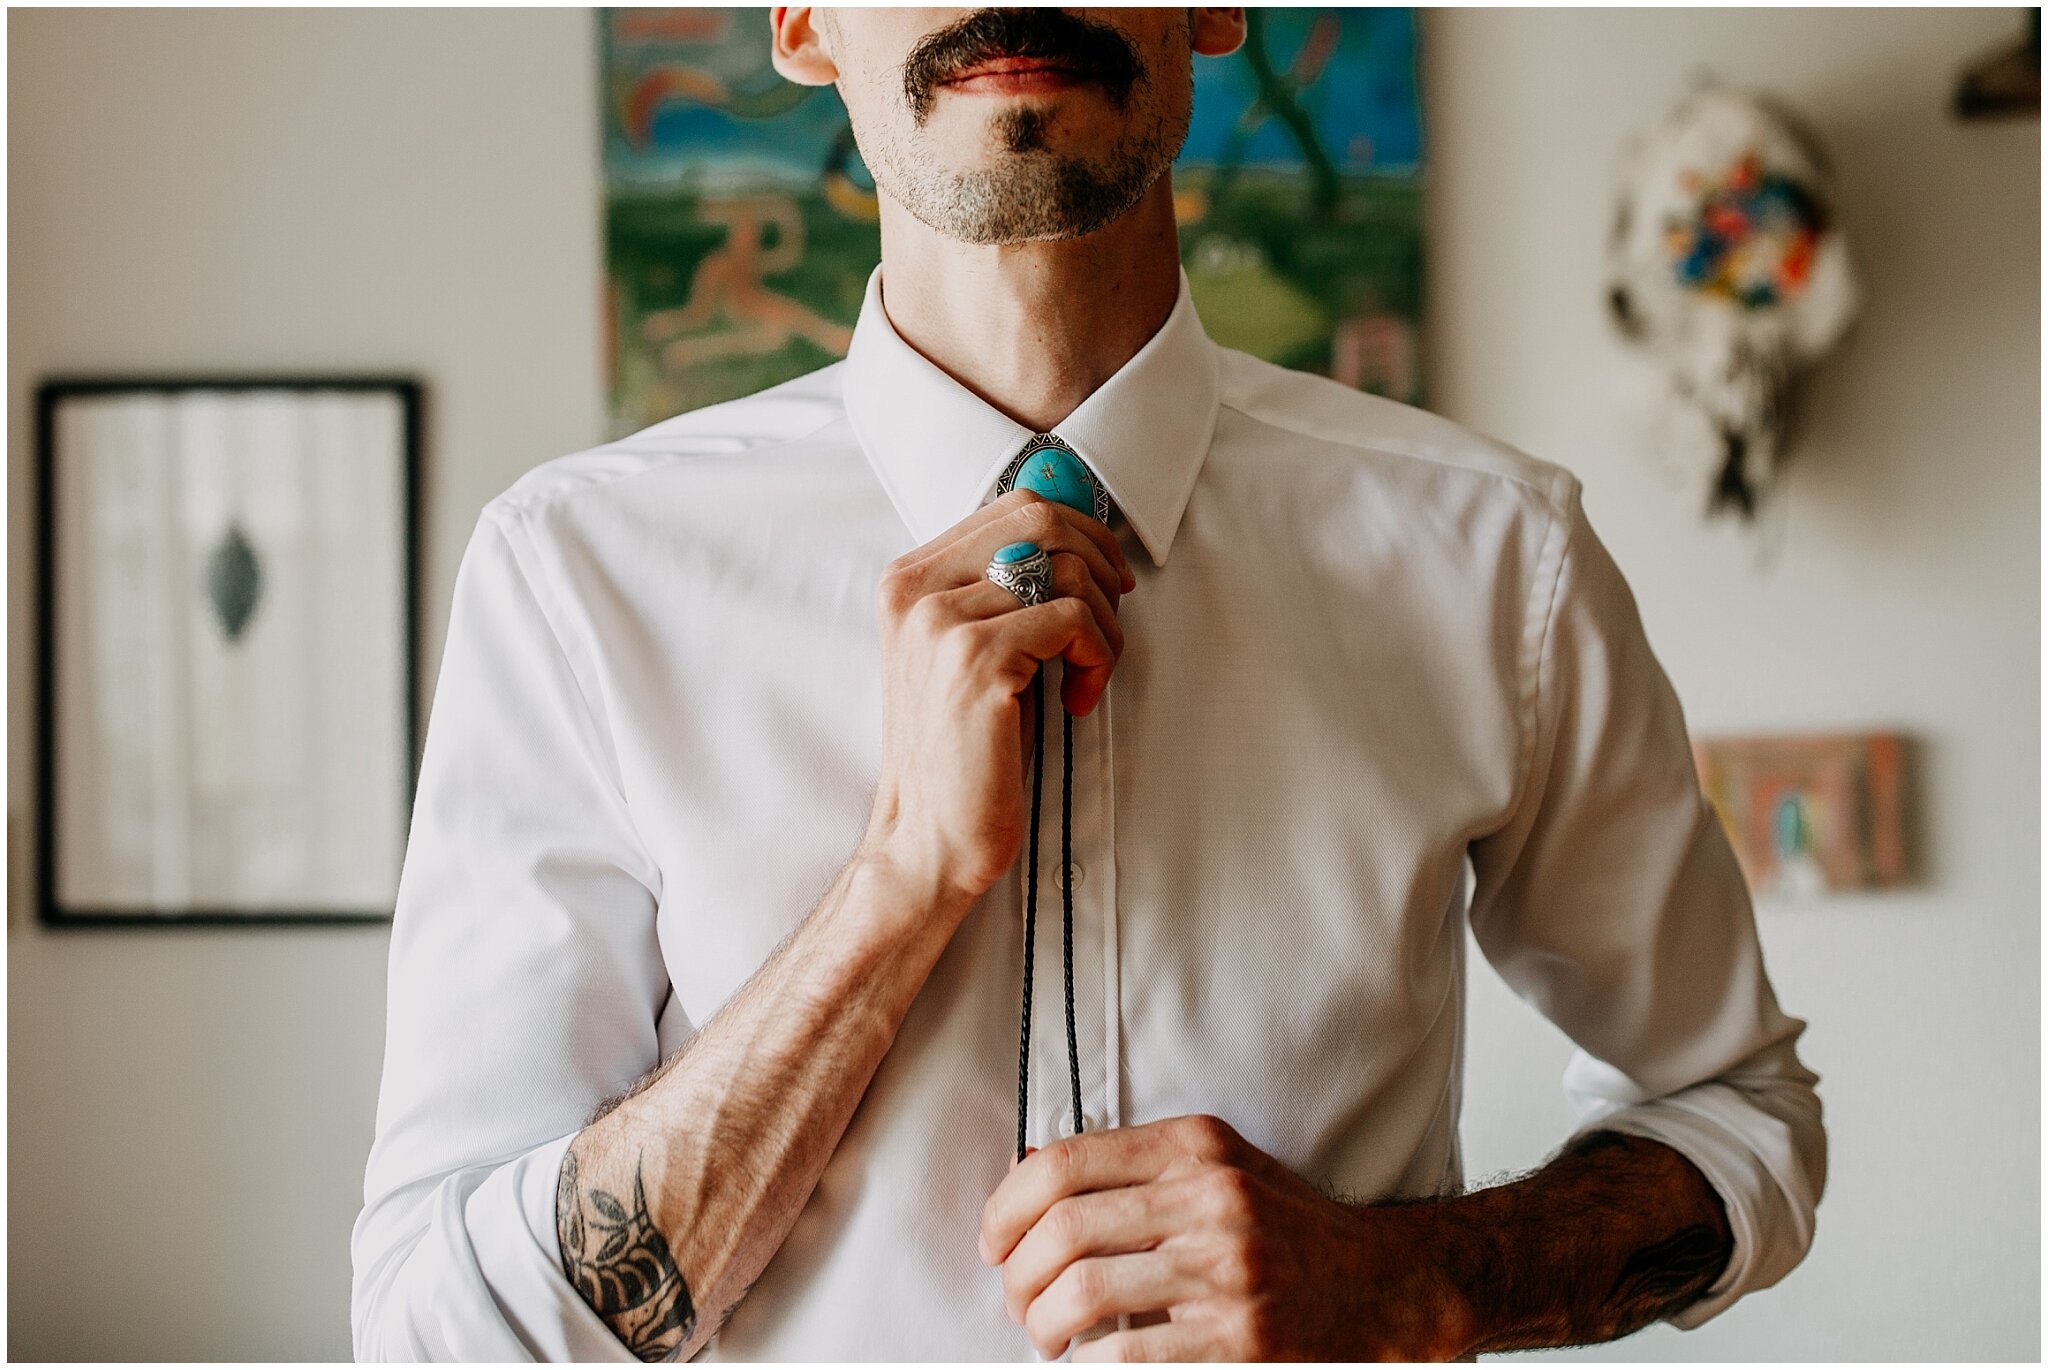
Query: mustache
{"points": [[1084, 45]]}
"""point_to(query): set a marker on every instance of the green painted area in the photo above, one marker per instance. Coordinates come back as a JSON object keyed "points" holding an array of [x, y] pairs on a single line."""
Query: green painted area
{"points": [[656, 246]]}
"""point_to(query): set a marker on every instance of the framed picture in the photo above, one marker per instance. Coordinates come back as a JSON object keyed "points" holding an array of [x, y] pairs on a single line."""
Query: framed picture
{"points": [[1815, 813], [227, 648]]}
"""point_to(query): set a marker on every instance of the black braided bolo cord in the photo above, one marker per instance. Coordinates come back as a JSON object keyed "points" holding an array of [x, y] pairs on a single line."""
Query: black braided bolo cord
{"points": [[1030, 909], [1067, 903], [1031, 912]]}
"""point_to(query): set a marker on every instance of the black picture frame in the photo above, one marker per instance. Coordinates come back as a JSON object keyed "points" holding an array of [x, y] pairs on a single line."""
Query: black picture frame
{"points": [[51, 395]]}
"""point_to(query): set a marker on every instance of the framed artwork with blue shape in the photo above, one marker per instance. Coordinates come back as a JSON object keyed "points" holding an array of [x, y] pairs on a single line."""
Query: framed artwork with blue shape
{"points": [[226, 648]]}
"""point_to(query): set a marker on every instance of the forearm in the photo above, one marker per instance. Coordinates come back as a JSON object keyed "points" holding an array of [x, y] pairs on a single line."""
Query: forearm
{"points": [[675, 1197], [1613, 1235]]}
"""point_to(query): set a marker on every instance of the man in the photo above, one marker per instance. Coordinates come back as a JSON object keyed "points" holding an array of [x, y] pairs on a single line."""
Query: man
{"points": [[647, 1094]]}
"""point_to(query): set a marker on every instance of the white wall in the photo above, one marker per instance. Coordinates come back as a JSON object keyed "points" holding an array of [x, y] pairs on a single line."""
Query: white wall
{"points": [[382, 191], [1908, 595], [242, 191]]}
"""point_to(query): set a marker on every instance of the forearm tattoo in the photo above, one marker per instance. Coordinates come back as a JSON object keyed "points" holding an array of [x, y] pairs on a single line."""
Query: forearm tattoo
{"points": [[1615, 1234], [1663, 1277], [620, 1263]]}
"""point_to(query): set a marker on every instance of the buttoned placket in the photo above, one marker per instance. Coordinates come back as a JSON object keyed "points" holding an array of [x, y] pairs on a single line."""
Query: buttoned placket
{"points": [[1097, 975], [1098, 1030]]}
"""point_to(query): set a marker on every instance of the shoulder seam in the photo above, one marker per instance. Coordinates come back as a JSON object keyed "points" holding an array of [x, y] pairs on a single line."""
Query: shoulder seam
{"points": [[545, 601], [1537, 636], [541, 498]]}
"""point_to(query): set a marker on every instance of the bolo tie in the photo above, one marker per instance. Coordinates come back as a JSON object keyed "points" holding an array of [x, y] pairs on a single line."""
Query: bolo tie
{"points": [[1050, 468]]}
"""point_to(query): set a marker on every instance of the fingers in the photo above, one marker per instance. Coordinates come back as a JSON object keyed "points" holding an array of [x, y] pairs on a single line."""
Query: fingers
{"points": [[1077, 1165], [1111, 1222], [1078, 626], [985, 599], [1064, 628], [1166, 1341], [1071, 578], [1100, 1287], [962, 552]]}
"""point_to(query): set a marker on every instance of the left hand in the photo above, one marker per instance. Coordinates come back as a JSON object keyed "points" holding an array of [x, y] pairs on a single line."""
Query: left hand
{"points": [[1246, 1260]]}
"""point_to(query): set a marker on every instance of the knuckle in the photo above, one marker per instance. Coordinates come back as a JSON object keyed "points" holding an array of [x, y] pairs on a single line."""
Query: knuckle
{"points": [[1230, 1193], [1062, 1163], [910, 584], [1241, 1266], [1042, 519], [897, 591], [1065, 1224], [1089, 1289], [1210, 1138], [921, 612]]}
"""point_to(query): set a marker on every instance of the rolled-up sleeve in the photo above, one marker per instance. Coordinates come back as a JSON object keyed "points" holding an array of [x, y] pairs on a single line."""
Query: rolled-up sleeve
{"points": [[525, 985], [1612, 901]]}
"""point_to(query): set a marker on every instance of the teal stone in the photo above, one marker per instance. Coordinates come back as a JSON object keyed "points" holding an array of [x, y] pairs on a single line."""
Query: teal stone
{"points": [[1060, 476], [1016, 551]]}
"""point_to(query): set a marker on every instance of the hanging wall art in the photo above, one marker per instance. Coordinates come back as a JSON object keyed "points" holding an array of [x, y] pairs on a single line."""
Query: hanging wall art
{"points": [[226, 655], [741, 223], [1727, 265]]}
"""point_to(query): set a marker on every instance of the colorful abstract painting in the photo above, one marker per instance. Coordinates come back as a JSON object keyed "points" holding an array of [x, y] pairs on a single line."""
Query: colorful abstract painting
{"points": [[740, 223], [1810, 814]]}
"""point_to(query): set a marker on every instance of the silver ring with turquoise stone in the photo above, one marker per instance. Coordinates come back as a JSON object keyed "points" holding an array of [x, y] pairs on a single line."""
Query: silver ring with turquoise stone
{"points": [[1025, 570]]}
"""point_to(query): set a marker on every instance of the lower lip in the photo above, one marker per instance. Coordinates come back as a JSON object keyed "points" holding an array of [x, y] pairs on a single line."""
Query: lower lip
{"points": [[1035, 81]]}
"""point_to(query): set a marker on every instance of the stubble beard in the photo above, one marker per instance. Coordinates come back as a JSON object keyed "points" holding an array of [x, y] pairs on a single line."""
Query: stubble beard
{"points": [[1033, 194]]}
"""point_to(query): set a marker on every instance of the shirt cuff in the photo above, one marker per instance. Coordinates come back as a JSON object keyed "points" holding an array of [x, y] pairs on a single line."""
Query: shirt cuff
{"points": [[511, 1219], [1716, 1128]]}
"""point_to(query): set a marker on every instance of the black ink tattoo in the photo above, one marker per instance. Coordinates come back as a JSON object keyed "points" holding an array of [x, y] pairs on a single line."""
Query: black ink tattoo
{"points": [[620, 1263], [1616, 1233], [1665, 1276]]}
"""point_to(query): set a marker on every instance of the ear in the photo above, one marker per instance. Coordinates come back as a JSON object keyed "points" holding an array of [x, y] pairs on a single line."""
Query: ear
{"points": [[1216, 32], [798, 48]]}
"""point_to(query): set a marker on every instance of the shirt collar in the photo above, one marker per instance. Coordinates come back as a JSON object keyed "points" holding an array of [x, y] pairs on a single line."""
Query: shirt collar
{"points": [[938, 448]]}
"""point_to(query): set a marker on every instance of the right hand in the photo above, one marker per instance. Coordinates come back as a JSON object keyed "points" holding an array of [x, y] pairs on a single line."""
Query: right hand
{"points": [[958, 656]]}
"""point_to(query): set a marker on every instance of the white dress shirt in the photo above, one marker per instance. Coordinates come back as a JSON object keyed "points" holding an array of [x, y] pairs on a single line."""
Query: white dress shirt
{"points": [[1381, 680]]}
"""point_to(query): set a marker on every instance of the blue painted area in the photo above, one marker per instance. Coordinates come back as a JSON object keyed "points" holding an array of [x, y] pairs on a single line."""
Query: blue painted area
{"points": [[1365, 102]]}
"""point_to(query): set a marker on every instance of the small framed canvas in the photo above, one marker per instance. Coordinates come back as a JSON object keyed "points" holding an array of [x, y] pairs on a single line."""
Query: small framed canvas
{"points": [[1809, 814], [226, 648]]}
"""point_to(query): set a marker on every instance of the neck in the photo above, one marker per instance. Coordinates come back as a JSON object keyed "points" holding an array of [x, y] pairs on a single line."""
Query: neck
{"points": [[1033, 328]]}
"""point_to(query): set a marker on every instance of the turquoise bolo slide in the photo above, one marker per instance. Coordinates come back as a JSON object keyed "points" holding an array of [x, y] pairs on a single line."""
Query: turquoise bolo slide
{"points": [[1050, 468]]}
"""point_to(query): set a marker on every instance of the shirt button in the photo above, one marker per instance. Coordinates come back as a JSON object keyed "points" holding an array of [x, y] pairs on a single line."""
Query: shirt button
{"points": [[1074, 872]]}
